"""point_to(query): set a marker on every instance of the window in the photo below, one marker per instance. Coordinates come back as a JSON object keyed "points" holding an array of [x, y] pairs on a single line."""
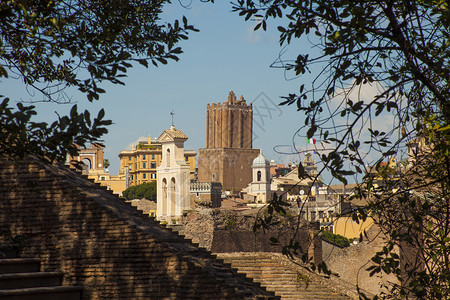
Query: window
{"points": [[153, 176], [213, 176], [153, 165], [168, 158], [144, 165], [129, 158], [258, 176], [320, 214], [144, 176], [153, 156], [186, 159], [129, 167], [102, 178], [313, 216], [131, 177], [143, 156]]}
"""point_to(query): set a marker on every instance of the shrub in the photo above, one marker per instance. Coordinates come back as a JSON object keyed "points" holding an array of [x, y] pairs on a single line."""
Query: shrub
{"points": [[336, 239], [145, 190]]}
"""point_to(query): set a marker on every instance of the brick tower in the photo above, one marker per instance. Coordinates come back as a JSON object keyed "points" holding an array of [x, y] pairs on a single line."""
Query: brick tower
{"points": [[228, 155]]}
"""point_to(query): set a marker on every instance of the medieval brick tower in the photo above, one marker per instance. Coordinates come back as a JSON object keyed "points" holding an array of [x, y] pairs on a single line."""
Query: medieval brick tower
{"points": [[228, 155]]}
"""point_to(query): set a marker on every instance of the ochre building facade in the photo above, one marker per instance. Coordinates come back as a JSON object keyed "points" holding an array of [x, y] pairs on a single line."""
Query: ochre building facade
{"points": [[143, 160], [228, 155]]}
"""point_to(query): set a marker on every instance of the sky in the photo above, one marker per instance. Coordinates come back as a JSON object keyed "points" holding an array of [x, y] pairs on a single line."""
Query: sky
{"points": [[226, 54]]}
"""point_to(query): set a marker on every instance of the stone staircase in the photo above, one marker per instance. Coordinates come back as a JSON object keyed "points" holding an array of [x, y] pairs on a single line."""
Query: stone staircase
{"points": [[271, 271], [21, 279]]}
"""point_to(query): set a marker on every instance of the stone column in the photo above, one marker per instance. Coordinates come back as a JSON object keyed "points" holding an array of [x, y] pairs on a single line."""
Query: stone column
{"points": [[208, 128], [241, 129], [225, 126], [250, 121], [235, 127], [217, 128]]}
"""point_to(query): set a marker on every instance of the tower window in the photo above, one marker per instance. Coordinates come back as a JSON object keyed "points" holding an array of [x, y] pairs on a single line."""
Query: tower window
{"points": [[168, 158]]}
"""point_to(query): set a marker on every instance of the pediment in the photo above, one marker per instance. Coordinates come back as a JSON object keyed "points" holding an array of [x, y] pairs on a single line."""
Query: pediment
{"points": [[165, 137], [172, 134]]}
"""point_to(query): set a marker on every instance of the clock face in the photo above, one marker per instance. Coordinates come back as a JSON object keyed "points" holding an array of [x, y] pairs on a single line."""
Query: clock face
{"points": [[302, 192], [99, 165]]}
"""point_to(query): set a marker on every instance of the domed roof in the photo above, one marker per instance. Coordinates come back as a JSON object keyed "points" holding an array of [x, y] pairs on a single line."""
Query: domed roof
{"points": [[260, 161]]}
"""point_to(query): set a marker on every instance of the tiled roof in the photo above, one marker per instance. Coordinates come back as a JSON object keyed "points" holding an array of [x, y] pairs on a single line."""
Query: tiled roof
{"points": [[174, 133]]}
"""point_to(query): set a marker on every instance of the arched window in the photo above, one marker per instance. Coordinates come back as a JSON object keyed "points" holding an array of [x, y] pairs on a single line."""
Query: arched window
{"points": [[168, 158], [172, 196], [87, 162], [164, 197], [258, 176]]}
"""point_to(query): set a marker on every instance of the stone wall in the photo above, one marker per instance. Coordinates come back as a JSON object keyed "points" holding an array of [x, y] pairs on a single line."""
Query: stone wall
{"points": [[225, 231], [351, 264], [231, 167], [104, 244]]}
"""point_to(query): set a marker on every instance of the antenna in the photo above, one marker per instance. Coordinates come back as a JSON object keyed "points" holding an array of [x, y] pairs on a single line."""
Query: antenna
{"points": [[172, 114]]}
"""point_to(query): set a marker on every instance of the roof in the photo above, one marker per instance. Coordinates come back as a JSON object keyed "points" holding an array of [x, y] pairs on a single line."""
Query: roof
{"points": [[172, 133], [260, 161]]}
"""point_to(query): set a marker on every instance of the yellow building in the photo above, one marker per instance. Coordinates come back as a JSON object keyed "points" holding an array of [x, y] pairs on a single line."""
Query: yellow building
{"points": [[92, 160], [349, 228], [116, 183], [141, 162]]}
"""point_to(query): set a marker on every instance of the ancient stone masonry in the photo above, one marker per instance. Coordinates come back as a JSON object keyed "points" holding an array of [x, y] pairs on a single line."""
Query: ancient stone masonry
{"points": [[223, 231], [104, 244], [228, 155], [229, 124]]}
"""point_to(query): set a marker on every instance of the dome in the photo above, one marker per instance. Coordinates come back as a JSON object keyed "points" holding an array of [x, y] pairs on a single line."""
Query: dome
{"points": [[260, 161]]}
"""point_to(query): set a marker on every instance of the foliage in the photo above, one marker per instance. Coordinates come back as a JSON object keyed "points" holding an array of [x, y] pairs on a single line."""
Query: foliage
{"points": [[230, 222], [144, 190], [399, 51], [50, 42], [149, 147], [301, 278], [106, 163], [336, 239], [51, 45], [19, 136]]}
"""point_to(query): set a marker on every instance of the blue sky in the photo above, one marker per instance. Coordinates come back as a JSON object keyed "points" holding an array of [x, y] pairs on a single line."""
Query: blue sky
{"points": [[225, 55]]}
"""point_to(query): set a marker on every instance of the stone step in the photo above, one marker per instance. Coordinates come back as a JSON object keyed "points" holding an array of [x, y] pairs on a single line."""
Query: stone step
{"points": [[43, 293], [19, 265], [281, 280], [28, 280]]}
